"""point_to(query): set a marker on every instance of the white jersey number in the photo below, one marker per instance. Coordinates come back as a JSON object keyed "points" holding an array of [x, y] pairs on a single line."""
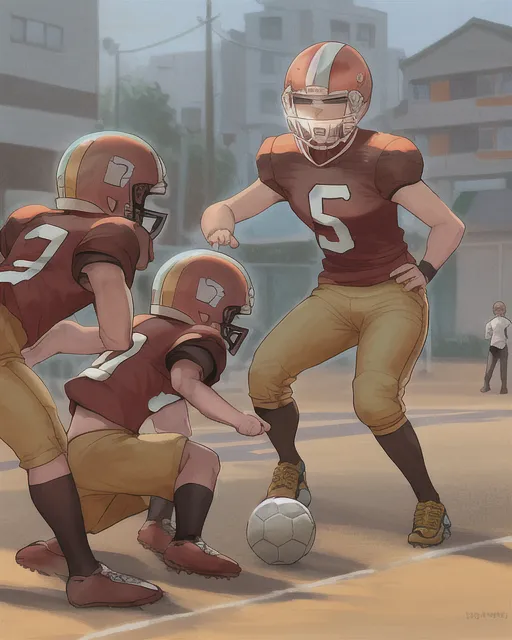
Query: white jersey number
{"points": [[101, 370], [55, 235], [317, 195]]}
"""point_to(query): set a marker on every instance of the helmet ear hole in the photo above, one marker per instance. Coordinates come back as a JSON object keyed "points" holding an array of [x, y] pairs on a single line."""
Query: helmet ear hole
{"points": [[204, 317], [112, 204]]}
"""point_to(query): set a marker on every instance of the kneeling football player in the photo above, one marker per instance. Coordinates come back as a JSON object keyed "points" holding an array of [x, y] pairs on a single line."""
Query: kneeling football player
{"points": [[180, 349]]}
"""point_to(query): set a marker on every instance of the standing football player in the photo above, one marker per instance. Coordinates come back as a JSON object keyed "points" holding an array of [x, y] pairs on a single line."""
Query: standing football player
{"points": [[55, 263], [179, 349], [345, 184]]}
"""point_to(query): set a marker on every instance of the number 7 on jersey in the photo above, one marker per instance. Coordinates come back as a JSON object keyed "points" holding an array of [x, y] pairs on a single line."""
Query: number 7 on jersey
{"points": [[317, 195]]}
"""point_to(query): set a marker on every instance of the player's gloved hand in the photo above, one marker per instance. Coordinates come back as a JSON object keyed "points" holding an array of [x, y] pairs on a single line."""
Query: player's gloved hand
{"points": [[223, 237], [251, 425]]}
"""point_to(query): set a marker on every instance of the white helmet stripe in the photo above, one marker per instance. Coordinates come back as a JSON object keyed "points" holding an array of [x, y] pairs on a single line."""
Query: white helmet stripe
{"points": [[320, 67]]}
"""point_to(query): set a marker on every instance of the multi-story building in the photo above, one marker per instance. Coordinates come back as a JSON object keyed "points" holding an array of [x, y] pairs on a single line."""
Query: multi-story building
{"points": [[48, 98], [48, 92], [458, 111], [254, 64]]}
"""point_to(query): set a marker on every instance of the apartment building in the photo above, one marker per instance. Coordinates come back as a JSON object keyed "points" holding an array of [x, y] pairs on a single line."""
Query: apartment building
{"points": [[458, 110], [48, 91]]}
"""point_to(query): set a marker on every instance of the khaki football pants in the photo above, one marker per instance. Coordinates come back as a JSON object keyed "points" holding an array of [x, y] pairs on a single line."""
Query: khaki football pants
{"points": [[389, 327], [29, 421]]}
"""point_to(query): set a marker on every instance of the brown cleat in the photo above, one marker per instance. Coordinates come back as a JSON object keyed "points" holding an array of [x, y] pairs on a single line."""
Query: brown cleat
{"points": [[431, 525], [156, 536], [45, 557], [197, 557], [107, 588]]}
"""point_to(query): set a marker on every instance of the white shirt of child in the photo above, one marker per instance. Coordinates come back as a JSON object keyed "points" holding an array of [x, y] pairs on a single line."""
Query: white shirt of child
{"points": [[496, 331]]}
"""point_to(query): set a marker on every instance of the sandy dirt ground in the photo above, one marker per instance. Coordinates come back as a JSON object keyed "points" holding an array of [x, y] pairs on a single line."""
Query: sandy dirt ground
{"points": [[361, 579]]}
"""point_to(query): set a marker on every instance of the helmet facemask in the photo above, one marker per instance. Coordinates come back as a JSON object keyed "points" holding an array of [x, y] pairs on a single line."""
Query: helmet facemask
{"points": [[152, 221], [232, 334], [323, 134]]}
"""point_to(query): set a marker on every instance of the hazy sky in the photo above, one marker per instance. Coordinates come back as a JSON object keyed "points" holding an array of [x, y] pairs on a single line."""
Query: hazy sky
{"points": [[413, 24]]}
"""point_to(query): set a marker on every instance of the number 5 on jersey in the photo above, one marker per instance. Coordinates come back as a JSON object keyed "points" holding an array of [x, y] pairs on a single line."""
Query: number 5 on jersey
{"points": [[317, 195]]}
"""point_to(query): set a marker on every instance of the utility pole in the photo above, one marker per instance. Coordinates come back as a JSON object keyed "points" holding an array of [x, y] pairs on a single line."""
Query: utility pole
{"points": [[209, 111], [118, 87]]}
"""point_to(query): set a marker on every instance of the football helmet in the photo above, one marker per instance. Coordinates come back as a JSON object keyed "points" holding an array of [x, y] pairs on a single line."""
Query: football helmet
{"points": [[332, 72], [113, 173], [204, 287]]}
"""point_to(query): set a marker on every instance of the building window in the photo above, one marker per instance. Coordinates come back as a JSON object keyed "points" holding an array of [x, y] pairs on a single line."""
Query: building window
{"points": [[268, 63], [506, 83], [485, 85], [462, 87], [504, 139], [464, 140], [54, 37], [420, 91], [17, 29], [486, 138], [366, 35], [271, 28], [269, 101], [340, 31], [306, 26], [37, 34]]}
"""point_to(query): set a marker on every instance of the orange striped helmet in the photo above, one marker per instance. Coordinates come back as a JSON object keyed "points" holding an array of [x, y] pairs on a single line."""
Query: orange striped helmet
{"points": [[112, 173], [327, 72], [204, 287]]}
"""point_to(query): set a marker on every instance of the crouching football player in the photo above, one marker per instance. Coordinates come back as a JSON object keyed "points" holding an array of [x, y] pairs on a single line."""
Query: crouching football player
{"points": [[177, 350]]}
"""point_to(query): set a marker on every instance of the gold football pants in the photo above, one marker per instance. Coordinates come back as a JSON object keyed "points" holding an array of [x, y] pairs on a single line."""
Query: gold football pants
{"points": [[29, 421], [388, 325]]}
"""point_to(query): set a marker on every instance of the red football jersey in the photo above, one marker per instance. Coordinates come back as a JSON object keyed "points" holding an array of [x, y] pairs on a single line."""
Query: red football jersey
{"points": [[120, 386], [45, 252], [347, 201]]}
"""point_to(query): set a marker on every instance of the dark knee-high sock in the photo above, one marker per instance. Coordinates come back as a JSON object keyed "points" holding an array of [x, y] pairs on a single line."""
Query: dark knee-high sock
{"points": [[284, 423], [192, 503], [160, 509], [58, 503], [404, 449]]}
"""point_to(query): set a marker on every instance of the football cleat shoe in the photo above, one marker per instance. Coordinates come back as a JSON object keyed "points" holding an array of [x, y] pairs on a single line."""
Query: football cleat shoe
{"points": [[45, 557], [197, 557], [156, 536], [107, 588], [289, 481], [431, 525]]}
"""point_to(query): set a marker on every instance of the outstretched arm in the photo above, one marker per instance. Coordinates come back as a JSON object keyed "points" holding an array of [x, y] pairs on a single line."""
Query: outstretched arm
{"points": [[218, 221], [186, 380]]}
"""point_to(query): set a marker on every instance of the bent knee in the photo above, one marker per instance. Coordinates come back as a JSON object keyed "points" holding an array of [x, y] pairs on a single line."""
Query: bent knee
{"points": [[377, 402], [197, 454], [269, 382]]}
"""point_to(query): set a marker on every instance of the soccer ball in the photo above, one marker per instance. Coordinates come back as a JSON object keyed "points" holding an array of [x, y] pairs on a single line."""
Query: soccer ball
{"points": [[281, 531]]}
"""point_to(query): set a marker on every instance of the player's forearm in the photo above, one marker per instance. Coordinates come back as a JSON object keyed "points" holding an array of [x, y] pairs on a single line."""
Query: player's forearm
{"points": [[65, 337], [209, 403], [442, 241], [114, 305]]}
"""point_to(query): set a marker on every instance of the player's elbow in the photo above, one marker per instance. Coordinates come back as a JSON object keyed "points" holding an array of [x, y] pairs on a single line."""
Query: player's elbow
{"points": [[120, 343]]}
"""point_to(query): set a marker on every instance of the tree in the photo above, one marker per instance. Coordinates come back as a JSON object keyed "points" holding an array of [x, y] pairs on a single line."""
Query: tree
{"points": [[145, 110]]}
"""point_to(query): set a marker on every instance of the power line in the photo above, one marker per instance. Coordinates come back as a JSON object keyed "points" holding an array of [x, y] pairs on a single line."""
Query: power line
{"points": [[172, 38], [252, 47]]}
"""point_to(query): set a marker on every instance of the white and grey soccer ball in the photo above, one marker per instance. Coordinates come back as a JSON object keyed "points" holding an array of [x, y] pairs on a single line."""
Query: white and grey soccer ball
{"points": [[281, 531]]}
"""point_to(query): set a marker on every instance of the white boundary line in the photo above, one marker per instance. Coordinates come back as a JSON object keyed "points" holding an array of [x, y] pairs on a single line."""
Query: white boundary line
{"points": [[273, 595]]}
